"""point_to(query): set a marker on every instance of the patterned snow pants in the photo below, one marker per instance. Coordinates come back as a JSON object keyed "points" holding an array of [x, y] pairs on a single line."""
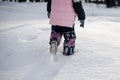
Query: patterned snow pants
{"points": [[69, 38]]}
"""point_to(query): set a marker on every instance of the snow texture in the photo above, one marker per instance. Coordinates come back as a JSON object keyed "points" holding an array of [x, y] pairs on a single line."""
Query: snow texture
{"points": [[24, 45]]}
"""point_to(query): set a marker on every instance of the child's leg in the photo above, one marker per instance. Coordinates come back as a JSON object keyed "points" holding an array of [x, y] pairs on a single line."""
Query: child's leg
{"points": [[55, 35], [69, 43], [55, 39]]}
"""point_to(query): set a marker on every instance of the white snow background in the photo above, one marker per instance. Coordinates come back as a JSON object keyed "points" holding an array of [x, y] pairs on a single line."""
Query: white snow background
{"points": [[24, 45]]}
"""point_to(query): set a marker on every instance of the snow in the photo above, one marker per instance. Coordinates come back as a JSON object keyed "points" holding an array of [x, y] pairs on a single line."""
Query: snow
{"points": [[24, 45]]}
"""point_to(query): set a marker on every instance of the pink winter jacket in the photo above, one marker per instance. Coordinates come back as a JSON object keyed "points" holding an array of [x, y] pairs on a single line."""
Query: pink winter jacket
{"points": [[62, 13]]}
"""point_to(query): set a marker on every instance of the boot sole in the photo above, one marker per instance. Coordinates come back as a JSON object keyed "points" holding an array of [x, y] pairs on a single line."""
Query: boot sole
{"points": [[53, 48]]}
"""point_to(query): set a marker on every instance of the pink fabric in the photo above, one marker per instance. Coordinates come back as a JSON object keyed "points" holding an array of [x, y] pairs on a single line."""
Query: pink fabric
{"points": [[57, 36], [71, 42], [62, 13]]}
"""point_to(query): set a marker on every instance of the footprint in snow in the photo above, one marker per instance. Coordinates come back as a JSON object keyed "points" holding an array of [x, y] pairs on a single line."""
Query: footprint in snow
{"points": [[28, 38]]}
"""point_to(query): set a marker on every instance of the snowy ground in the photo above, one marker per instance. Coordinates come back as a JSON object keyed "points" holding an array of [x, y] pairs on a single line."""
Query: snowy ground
{"points": [[24, 48]]}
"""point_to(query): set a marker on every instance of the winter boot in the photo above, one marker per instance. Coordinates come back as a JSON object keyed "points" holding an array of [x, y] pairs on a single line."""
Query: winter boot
{"points": [[68, 49], [53, 47], [55, 39], [69, 43]]}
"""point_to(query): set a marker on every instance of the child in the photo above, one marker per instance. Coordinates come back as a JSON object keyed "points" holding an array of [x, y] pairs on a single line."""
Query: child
{"points": [[62, 14]]}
